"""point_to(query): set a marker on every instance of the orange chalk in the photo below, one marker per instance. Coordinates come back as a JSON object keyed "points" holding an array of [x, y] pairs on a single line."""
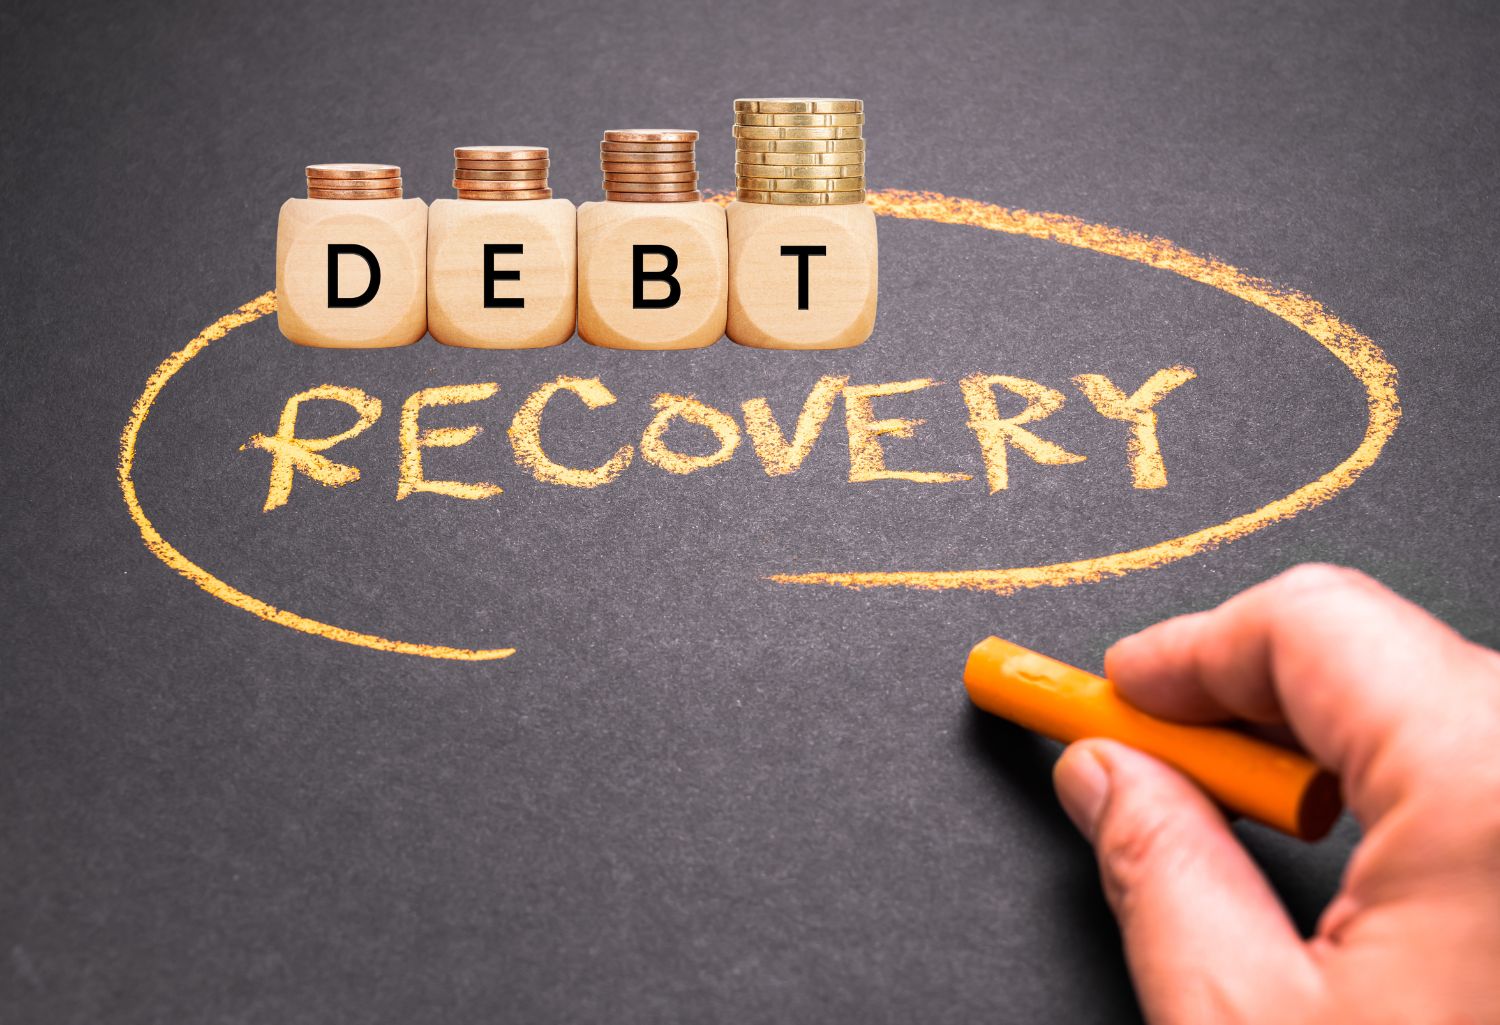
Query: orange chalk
{"points": [[1270, 784]]}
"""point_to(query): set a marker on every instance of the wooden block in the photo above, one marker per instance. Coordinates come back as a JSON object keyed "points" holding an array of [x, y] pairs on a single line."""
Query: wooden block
{"points": [[609, 312], [801, 300], [458, 285], [392, 232]]}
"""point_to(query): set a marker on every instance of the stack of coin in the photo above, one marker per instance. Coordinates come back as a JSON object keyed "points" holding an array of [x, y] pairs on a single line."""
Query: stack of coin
{"points": [[799, 152], [501, 172], [353, 181], [650, 165]]}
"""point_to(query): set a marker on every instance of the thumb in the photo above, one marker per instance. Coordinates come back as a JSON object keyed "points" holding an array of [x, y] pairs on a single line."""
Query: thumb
{"points": [[1205, 937]]}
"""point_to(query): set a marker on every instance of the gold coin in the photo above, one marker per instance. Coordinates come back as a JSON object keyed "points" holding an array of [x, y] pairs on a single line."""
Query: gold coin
{"points": [[672, 157], [353, 171], [799, 120], [758, 132], [799, 171], [654, 176], [653, 197], [611, 185], [745, 156], [622, 167], [354, 183], [798, 105], [353, 193], [485, 185], [800, 198], [500, 153], [528, 194], [651, 135], [646, 147], [468, 173], [801, 145], [801, 184]]}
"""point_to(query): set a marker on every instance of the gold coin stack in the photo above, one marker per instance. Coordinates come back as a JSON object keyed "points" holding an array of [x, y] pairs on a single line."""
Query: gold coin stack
{"points": [[353, 181], [799, 152], [650, 165], [501, 172]]}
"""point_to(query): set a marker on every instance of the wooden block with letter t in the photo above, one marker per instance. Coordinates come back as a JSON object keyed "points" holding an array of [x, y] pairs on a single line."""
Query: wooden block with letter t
{"points": [[652, 275], [801, 277], [351, 271]]}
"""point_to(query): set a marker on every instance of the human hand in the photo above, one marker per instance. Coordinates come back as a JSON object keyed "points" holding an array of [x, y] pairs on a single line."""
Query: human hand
{"points": [[1373, 688]]}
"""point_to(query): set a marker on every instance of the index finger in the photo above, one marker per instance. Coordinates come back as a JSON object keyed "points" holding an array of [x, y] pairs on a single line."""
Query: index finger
{"points": [[1372, 686]]}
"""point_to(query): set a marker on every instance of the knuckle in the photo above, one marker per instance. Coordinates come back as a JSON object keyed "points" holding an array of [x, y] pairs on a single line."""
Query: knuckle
{"points": [[1320, 577], [1133, 850]]}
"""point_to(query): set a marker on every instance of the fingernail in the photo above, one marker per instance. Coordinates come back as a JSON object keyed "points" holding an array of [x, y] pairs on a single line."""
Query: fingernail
{"points": [[1082, 783]]}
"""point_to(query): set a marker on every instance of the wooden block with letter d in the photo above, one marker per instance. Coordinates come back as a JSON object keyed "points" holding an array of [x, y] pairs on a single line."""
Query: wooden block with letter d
{"points": [[351, 260]]}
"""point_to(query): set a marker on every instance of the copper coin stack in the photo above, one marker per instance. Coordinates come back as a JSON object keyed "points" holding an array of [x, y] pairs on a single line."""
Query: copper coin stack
{"points": [[794, 151], [501, 172], [650, 165], [353, 181]]}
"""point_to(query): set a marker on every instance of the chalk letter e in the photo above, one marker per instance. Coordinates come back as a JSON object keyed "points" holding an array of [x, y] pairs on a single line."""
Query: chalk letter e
{"points": [[337, 249]]}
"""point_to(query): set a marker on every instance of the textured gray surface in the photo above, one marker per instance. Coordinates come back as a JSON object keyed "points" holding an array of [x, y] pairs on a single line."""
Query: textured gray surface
{"points": [[693, 794]]}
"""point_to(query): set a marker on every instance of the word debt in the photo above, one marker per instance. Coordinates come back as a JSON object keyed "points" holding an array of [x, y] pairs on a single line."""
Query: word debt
{"points": [[675, 425], [627, 275]]}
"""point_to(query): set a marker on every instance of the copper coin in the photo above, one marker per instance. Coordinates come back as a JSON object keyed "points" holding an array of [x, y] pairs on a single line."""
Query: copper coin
{"points": [[353, 193], [624, 167], [651, 135], [500, 153], [528, 194], [353, 171], [646, 147], [469, 173], [673, 176], [610, 185], [354, 183], [653, 197], [667, 157], [481, 185], [500, 165]]}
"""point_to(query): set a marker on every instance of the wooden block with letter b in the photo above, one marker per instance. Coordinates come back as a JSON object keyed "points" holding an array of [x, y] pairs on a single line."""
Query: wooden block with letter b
{"points": [[351, 260], [653, 259]]}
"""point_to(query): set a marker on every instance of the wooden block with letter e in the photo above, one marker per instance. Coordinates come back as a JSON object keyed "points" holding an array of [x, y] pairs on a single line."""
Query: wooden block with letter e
{"points": [[502, 260]]}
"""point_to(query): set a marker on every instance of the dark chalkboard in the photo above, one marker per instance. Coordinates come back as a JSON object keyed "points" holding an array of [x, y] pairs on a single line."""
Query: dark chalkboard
{"points": [[694, 792]]}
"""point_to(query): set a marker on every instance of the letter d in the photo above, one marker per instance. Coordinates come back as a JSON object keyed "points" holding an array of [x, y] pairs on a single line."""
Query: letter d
{"points": [[337, 249]]}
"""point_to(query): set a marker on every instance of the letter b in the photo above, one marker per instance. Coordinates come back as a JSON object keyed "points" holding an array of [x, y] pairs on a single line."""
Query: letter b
{"points": [[640, 276]]}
